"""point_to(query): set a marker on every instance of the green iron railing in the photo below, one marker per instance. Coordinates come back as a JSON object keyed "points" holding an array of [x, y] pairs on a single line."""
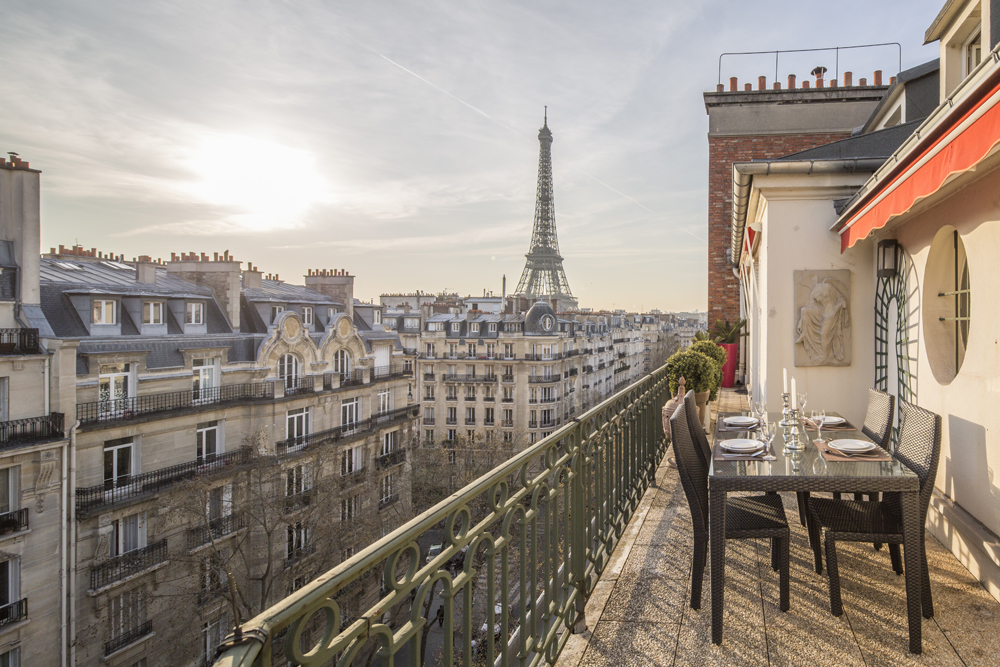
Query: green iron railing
{"points": [[522, 549]]}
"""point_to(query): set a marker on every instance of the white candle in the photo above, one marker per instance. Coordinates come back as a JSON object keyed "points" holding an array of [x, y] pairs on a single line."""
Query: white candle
{"points": [[784, 382], [794, 400]]}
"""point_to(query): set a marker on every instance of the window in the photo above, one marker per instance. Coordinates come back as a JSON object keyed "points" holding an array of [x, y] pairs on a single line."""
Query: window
{"points": [[377, 316], [389, 442], [350, 413], [470, 370], [474, 327], [973, 52], [429, 415], [508, 350], [118, 463], [470, 393], [298, 480], [207, 441], [493, 327], [10, 590], [491, 373], [386, 489], [220, 503], [384, 401], [12, 658], [456, 327], [297, 544], [429, 436], [453, 350], [452, 457], [297, 425], [288, 370], [508, 417], [351, 460], [212, 634], [113, 388], [452, 415], [411, 323], [275, 311], [508, 436], [947, 305], [470, 415], [194, 312], [307, 316], [152, 312], [342, 363], [4, 398], [452, 435], [10, 489], [488, 390], [451, 392], [491, 350], [105, 312], [470, 435], [508, 393], [350, 507], [488, 418], [203, 379], [472, 350], [428, 392], [430, 350], [435, 326], [127, 613], [508, 371], [128, 534]]}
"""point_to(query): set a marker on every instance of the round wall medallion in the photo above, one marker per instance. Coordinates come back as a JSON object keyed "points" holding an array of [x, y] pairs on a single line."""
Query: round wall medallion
{"points": [[548, 322], [291, 327], [344, 328]]}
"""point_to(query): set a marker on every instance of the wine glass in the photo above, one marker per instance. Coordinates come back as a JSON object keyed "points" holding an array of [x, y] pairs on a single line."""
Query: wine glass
{"points": [[803, 399], [760, 407], [818, 419]]}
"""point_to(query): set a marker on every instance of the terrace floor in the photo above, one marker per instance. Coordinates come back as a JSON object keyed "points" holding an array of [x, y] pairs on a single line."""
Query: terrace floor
{"points": [[639, 612]]}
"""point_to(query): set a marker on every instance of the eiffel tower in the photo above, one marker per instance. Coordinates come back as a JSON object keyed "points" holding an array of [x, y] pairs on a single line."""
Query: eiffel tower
{"points": [[543, 277]]}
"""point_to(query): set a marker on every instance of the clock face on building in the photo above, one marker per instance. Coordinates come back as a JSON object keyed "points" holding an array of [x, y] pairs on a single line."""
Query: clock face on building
{"points": [[548, 322]]}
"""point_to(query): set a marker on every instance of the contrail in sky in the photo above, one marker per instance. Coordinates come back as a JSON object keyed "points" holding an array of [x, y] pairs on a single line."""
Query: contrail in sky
{"points": [[506, 127]]}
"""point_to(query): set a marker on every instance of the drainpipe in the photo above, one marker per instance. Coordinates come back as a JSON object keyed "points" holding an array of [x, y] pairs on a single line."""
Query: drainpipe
{"points": [[63, 540], [71, 551], [48, 390]]}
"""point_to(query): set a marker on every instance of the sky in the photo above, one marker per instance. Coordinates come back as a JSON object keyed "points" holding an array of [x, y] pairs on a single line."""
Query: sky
{"points": [[398, 140]]}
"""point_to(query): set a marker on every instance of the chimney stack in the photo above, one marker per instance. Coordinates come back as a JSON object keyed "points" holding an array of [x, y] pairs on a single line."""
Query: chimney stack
{"points": [[222, 277], [732, 84], [791, 82], [761, 83], [878, 77], [848, 79], [336, 284], [145, 273]]}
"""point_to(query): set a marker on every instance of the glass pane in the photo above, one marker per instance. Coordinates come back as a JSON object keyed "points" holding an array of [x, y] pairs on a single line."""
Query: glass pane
{"points": [[109, 468], [5, 490], [124, 465]]}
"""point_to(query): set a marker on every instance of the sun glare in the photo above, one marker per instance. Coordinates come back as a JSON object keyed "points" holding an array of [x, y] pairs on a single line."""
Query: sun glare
{"points": [[266, 185]]}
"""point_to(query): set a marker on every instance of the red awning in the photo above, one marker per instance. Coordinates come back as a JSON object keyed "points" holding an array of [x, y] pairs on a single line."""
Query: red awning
{"points": [[956, 154]]}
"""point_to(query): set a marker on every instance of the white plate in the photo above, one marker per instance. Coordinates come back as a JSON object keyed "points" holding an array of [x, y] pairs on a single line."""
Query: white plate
{"points": [[741, 445], [740, 420], [833, 421], [852, 445]]}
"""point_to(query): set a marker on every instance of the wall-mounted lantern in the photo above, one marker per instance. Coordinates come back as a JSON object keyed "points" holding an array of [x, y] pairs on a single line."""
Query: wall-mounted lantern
{"points": [[889, 255]]}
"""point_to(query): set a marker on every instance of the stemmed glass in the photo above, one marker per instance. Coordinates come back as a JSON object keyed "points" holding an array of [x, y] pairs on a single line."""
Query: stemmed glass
{"points": [[766, 433], [818, 419], [760, 408], [803, 397]]}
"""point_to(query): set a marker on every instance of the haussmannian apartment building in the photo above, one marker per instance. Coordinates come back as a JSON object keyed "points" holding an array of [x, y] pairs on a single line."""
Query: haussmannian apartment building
{"points": [[165, 424]]}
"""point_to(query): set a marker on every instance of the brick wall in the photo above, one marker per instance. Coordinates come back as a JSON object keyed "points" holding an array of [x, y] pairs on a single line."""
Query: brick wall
{"points": [[723, 286]]}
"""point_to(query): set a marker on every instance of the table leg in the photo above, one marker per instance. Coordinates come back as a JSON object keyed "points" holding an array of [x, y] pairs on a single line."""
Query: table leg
{"points": [[913, 566], [717, 529]]}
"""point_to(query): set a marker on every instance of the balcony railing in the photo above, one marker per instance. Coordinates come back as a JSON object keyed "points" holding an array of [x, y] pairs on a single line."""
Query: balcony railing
{"points": [[428, 421], [129, 486], [572, 491], [118, 409], [127, 637], [117, 568], [507, 378], [506, 400], [32, 429], [393, 458], [470, 422], [296, 555], [351, 430], [466, 377], [389, 372], [352, 378], [428, 376], [299, 385], [542, 379], [13, 522], [14, 612], [353, 477], [216, 529], [387, 500], [507, 423], [533, 423], [19, 341]]}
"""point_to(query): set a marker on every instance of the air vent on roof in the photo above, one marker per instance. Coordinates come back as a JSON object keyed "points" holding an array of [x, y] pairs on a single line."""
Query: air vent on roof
{"points": [[68, 266], [119, 266]]}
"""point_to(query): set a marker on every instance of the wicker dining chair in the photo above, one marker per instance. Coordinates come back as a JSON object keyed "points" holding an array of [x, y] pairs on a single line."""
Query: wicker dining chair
{"points": [[696, 430], [881, 521], [747, 517], [878, 418]]}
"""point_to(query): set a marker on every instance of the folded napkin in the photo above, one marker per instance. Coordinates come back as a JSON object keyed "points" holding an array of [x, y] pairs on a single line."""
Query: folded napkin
{"points": [[846, 426], [721, 425], [720, 454], [877, 454]]}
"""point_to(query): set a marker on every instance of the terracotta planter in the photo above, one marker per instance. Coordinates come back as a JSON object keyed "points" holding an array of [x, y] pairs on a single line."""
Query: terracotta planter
{"points": [[729, 368], [701, 400]]}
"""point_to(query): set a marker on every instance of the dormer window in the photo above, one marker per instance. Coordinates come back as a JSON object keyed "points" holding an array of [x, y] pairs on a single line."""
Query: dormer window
{"points": [[275, 311], [105, 312], [377, 316], [493, 327], [474, 327], [973, 52], [152, 312], [307, 316], [194, 313], [456, 327]]}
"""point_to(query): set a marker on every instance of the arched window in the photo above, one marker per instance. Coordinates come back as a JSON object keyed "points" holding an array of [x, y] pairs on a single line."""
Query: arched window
{"points": [[342, 363], [289, 371]]}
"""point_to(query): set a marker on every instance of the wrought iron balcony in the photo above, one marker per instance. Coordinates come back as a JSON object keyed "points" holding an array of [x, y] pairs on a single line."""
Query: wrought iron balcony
{"points": [[129, 486], [127, 637], [14, 612], [393, 458], [507, 378], [386, 501], [352, 378], [467, 377], [299, 385], [346, 431], [390, 372], [533, 423], [123, 409], [451, 397], [518, 502], [115, 569], [353, 477], [550, 399], [295, 555], [19, 341], [470, 422], [428, 421], [32, 429], [215, 529], [429, 398], [506, 400], [429, 376], [14, 522], [542, 379], [507, 423], [451, 421]]}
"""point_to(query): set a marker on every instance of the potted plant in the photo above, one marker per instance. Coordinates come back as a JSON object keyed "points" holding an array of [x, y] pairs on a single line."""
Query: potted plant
{"points": [[717, 354], [700, 373], [728, 336]]}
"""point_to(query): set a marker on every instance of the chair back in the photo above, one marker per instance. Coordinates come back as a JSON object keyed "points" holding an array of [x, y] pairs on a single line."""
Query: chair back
{"points": [[693, 473], [920, 448], [696, 430], [878, 419]]}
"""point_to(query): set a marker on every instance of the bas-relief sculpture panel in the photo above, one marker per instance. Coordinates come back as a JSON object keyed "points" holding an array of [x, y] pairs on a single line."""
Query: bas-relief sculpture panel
{"points": [[822, 318]]}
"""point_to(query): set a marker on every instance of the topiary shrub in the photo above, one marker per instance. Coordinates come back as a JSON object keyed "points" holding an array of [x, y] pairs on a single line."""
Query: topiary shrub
{"points": [[700, 372], [718, 355]]}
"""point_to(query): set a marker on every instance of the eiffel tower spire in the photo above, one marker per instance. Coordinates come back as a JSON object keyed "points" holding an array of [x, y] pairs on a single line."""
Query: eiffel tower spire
{"points": [[543, 276]]}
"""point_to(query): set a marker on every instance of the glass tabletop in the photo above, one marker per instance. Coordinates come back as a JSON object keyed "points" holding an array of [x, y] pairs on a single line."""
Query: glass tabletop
{"points": [[802, 463]]}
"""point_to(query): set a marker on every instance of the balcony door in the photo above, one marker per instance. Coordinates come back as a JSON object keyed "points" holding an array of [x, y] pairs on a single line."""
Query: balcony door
{"points": [[119, 462], [10, 588], [204, 380], [128, 534], [114, 389], [350, 414], [297, 426], [288, 371]]}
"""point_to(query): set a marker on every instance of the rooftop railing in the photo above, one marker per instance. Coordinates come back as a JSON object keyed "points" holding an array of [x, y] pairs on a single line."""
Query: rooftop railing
{"points": [[19, 341], [32, 429], [123, 409], [544, 523], [125, 487]]}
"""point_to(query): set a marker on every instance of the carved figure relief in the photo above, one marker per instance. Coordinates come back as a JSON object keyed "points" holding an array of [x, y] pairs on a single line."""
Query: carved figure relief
{"points": [[823, 318]]}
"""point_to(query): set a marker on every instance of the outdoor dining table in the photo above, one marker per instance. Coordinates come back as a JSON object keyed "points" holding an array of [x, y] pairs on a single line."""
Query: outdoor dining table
{"points": [[807, 471]]}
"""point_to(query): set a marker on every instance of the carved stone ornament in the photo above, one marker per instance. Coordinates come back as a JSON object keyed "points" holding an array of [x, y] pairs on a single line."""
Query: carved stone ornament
{"points": [[291, 328], [822, 321], [343, 328]]}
